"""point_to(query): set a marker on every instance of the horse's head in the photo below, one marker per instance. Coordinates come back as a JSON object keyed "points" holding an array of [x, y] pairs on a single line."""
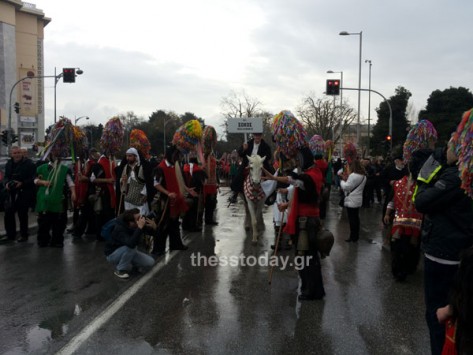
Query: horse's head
{"points": [[255, 163]]}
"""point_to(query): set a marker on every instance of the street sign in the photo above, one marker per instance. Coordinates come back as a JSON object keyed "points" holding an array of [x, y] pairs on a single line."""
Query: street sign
{"points": [[245, 125]]}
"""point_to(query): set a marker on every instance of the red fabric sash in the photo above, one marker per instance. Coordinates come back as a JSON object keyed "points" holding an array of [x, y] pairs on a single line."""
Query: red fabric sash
{"points": [[407, 220], [323, 166], [81, 187], [303, 209], [210, 187], [449, 347], [109, 170], [179, 205], [187, 172]]}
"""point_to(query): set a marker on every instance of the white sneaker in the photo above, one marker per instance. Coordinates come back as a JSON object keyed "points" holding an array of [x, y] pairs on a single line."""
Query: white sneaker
{"points": [[121, 274]]}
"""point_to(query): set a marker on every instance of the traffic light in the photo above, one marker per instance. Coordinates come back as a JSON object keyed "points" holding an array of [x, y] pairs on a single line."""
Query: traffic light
{"points": [[333, 87], [5, 137], [387, 143], [14, 138], [68, 75], [17, 107]]}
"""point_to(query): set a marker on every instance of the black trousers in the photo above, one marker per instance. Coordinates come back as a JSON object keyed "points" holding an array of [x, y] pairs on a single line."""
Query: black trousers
{"points": [[51, 222], [210, 206], [171, 229], [309, 266], [354, 221], [86, 220], [405, 257], [190, 219], [106, 214], [20, 206]]}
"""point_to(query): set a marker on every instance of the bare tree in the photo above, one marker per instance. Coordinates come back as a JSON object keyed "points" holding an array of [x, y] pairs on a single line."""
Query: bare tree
{"points": [[238, 105], [324, 117], [130, 120]]}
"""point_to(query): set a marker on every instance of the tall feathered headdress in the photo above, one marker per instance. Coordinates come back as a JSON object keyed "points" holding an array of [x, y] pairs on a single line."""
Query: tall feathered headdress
{"points": [[288, 133], [462, 141], [139, 140], [112, 136], [419, 137]]}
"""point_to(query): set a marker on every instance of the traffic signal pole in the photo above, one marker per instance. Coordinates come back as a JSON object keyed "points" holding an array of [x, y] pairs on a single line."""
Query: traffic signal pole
{"points": [[56, 79], [390, 110]]}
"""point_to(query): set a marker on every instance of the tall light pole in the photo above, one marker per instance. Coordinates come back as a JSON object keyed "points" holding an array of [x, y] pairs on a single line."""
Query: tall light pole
{"points": [[369, 105], [345, 33], [78, 118], [165, 122]]}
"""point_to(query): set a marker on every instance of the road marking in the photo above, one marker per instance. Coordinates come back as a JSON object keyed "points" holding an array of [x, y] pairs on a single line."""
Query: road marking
{"points": [[74, 344]]}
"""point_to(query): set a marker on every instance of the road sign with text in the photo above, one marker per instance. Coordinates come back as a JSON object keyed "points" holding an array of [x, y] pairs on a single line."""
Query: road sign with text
{"points": [[245, 125]]}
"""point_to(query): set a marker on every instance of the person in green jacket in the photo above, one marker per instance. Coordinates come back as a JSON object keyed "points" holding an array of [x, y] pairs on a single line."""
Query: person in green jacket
{"points": [[54, 181]]}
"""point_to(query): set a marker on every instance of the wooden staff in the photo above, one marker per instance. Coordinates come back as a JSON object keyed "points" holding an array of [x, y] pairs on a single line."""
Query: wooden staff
{"points": [[276, 246], [163, 214]]}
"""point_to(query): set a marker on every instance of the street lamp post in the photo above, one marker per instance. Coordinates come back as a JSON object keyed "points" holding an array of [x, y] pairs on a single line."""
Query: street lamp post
{"points": [[345, 33], [78, 118], [165, 122], [369, 105], [56, 79]]}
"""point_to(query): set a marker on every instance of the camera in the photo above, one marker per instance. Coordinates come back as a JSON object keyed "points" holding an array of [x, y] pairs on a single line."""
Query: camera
{"points": [[151, 215], [11, 185]]}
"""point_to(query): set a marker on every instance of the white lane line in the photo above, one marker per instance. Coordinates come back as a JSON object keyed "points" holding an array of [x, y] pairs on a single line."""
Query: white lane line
{"points": [[74, 344]]}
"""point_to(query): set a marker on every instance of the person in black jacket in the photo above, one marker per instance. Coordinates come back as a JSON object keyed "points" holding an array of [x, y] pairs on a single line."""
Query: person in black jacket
{"points": [[254, 146], [121, 250], [447, 230], [19, 183]]}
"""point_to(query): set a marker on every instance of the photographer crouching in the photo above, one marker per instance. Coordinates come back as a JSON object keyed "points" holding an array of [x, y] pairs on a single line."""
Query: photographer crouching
{"points": [[121, 250]]}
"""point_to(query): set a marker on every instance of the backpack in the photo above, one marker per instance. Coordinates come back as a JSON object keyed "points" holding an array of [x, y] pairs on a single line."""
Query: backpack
{"points": [[107, 229]]}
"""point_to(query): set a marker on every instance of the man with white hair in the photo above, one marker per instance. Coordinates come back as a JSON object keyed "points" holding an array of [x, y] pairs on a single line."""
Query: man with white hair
{"points": [[133, 184]]}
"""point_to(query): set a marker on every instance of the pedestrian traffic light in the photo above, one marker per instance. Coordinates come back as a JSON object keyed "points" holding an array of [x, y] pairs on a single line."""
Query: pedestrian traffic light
{"points": [[333, 87], [68, 75], [17, 107], [5, 137]]}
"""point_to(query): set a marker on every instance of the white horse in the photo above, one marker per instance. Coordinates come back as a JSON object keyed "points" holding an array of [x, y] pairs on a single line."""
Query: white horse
{"points": [[254, 196]]}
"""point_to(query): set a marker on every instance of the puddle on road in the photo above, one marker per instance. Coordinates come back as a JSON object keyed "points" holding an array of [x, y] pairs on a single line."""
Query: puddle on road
{"points": [[39, 336]]}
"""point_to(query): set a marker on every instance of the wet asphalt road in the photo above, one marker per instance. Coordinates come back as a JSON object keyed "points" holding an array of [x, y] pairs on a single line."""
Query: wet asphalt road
{"points": [[68, 300]]}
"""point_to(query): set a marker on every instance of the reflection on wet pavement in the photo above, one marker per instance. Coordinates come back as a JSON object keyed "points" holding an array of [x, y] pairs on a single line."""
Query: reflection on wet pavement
{"points": [[231, 308]]}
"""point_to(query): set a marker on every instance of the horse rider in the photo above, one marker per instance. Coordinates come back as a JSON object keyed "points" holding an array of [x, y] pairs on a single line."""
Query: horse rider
{"points": [[255, 146]]}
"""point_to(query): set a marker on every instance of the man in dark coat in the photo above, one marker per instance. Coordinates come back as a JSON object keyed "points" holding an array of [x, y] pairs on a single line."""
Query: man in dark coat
{"points": [[19, 183], [447, 230], [254, 146]]}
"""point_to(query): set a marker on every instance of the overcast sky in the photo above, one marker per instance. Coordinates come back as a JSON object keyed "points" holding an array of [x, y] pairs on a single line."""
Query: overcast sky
{"points": [[186, 55]]}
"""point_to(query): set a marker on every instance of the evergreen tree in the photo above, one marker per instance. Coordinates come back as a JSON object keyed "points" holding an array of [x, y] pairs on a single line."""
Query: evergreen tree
{"points": [[445, 108], [400, 124]]}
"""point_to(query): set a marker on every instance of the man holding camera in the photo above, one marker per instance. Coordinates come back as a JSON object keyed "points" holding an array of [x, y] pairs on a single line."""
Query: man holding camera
{"points": [[122, 250], [19, 183]]}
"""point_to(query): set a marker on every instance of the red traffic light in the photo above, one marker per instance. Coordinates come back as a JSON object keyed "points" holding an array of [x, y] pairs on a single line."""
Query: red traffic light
{"points": [[333, 87], [69, 75], [388, 137]]}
